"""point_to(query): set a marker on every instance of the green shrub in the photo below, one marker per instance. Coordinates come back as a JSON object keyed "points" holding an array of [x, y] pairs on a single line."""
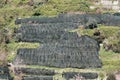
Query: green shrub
{"points": [[113, 42]]}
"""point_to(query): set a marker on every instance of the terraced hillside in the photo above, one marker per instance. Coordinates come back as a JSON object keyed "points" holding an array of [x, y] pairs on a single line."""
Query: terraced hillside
{"points": [[10, 10]]}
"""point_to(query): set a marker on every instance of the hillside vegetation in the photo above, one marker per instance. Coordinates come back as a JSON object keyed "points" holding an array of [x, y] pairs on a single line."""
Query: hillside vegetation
{"points": [[12, 9]]}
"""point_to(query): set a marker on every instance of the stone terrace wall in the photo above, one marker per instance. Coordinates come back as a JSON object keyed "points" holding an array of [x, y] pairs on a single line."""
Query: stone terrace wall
{"points": [[80, 52], [43, 32], [58, 47], [88, 75], [37, 78], [4, 73], [83, 19], [36, 71]]}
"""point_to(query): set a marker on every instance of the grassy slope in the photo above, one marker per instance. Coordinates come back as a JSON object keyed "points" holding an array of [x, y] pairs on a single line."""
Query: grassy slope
{"points": [[8, 13], [12, 10], [20, 8], [53, 7]]}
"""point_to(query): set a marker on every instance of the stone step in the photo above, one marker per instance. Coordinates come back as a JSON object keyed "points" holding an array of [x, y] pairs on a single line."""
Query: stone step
{"points": [[86, 75], [37, 78], [35, 71]]}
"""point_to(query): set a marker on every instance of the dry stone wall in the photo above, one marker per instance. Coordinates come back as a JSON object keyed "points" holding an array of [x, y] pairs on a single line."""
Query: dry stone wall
{"points": [[4, 73], [86, 75], [80, 53], [83, 19], [43, 32], [58, 47], [37, 78], [36, 71]]}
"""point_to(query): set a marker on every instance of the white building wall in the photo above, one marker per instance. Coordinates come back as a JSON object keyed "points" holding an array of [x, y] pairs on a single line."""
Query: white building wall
{"points": [[110, 4], [116, 8], [115, 2], [106, 2]]}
